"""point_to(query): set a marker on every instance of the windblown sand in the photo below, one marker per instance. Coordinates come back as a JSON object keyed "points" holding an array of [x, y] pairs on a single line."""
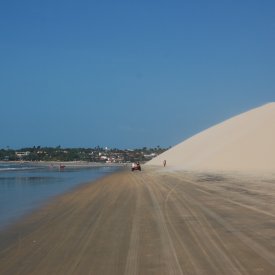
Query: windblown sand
{"points": [[243, 143], [149, 222]]}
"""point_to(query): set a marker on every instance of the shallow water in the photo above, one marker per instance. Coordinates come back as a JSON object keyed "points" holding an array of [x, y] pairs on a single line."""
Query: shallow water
{"points": [[24, 187]]}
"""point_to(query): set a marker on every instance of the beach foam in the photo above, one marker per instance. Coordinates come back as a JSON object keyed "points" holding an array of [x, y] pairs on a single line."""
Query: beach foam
{"points": [[245, 142]]}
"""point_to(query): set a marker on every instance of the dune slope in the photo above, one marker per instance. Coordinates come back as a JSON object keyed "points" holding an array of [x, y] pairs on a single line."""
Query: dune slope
{"points": [[243, 143]]}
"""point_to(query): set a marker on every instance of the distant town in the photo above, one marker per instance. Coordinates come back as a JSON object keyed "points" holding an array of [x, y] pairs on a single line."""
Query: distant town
{"points": [[97, 154]]}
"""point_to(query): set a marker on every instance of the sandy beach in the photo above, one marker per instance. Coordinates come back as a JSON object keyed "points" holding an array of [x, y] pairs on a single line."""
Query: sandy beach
{"points": [[149, 222]]}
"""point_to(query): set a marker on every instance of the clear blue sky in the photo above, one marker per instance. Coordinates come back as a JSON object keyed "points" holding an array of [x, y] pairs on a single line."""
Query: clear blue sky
{"points": [[130, 74]]}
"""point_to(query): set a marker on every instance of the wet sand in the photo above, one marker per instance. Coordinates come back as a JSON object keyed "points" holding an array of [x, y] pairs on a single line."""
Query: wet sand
{"points": [[149, 222]]}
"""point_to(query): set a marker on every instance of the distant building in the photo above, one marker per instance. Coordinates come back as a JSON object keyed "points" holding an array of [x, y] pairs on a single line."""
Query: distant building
{"points": [[103, 158], [150, 156], [22, 154]]}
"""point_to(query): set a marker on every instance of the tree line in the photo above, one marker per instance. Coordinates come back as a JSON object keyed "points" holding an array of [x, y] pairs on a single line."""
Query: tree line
{"points": [[96, 154]]}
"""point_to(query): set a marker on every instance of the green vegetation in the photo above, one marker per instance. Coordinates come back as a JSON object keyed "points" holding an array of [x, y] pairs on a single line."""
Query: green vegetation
{"points": [[97, 154]]}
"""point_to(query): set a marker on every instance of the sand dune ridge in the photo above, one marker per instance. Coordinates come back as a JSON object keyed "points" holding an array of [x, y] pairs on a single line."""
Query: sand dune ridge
{"points": [[245, 142]]}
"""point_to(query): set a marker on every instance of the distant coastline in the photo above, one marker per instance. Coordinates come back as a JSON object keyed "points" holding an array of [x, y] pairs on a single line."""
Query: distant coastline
{"points": [[71, 164], [80, 155]]}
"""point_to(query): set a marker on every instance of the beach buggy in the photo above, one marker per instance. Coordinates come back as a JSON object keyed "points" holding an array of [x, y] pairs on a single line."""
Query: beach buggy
{"points": [[136, 166]]}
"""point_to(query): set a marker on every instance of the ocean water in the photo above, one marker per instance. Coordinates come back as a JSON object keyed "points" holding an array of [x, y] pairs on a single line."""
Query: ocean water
{"points": [[24, 187]]}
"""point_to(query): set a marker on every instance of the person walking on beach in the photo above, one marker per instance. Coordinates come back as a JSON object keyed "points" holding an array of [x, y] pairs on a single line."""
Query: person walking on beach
{"points": [[164, 163]]}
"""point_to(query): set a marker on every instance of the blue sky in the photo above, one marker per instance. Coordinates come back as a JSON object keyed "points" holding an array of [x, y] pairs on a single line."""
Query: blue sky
{"points": [[130, 74]]}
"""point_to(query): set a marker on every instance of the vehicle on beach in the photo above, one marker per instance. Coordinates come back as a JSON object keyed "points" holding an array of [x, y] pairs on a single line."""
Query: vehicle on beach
{"points": [[136, 166]]}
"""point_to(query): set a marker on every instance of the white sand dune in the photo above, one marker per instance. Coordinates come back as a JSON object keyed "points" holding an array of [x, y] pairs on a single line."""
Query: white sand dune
{"points": [[243, 143]]}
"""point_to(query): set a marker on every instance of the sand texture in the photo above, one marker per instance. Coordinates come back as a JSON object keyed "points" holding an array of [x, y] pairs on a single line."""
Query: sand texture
{"points": [[243, 143], [149, 222]]}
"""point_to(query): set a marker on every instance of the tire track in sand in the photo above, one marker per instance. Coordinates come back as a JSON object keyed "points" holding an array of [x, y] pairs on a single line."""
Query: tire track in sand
{"points": [[170, 255], [131, 267]]}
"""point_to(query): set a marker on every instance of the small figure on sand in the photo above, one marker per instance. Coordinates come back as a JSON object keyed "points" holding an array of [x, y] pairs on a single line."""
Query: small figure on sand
{"points": [[164, 163]]}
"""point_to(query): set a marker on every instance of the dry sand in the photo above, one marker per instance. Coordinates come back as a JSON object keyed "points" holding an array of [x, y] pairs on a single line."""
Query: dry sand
{"points": [[149, 222], [243, 143]]}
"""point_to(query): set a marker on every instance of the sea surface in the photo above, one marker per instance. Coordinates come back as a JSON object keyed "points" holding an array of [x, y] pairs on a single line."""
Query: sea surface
{"points": [[24, 187]]}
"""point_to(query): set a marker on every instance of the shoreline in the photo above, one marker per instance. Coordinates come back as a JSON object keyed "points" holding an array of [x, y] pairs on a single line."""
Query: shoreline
{"points": [[37, 186], [69, 164]]}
